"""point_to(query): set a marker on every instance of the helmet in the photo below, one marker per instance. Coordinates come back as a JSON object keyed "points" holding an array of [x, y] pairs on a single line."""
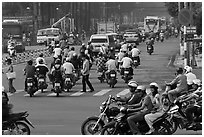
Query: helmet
{"points": [[57, 45], [67, 59], [41, 61], [133, 84], [74, 54], [41, 55], [30, 62], [197, 82], [2, 88], [57, 61], [83, 44], [188, 69], [153, 84], [142, 88], [179, 70]]}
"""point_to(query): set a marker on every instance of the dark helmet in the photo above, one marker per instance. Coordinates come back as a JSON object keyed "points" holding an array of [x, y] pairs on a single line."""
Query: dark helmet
{"points": [[41, 61], [41, 55], [30, 62], [179, 70]]}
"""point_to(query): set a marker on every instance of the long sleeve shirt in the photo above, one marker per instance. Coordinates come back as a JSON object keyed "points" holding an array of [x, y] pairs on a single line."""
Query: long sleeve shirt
{"points": [[85, 68], [181, 82]]}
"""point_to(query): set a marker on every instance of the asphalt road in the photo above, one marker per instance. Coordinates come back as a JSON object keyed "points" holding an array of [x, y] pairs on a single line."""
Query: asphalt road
{"points": [[64, 115]]}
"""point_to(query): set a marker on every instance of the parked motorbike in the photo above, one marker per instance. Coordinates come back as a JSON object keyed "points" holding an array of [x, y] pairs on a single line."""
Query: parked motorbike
{"points": [[16, 124], [68, 83], [31, 89], [126, 77], [111, 78], [42, 83], [150, 49], [93, 125], [120, 126]]}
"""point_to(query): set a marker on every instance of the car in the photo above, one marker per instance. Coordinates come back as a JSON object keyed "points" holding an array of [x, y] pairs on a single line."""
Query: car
{"points": [[131, 36]]}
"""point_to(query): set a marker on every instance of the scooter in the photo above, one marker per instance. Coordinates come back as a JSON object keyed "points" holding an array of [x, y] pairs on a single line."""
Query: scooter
{"points": [[136, 61], [101, 75], [42, 83], [31, 89], [57, 87], [161, 37], [68, 84], [111, 78], [126, 77], [150, 49]]}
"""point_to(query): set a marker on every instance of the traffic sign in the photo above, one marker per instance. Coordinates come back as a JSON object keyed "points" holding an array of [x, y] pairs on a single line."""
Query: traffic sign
{"points": [[190, 31], [185, 17]]}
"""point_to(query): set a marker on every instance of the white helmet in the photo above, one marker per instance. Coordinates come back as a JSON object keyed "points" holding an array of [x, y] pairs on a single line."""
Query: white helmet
{"points": [[197, 82], [133, 84], [188, 69], [153, 84], [141, 87], [2, 89]]}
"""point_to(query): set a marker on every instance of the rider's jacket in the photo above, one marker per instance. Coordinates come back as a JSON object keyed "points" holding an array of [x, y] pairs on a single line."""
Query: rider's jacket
{"points": [[41, 69], [181, 82], [126, 62], [111, 65], [30, 71]]}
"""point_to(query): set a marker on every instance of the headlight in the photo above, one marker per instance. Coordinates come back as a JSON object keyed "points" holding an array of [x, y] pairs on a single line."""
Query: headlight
{"points": [[18, 43]]}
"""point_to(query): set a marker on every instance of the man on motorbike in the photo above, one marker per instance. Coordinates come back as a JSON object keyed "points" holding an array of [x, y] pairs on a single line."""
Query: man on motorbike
{"points": [[30, 72], [71, 53], [39, 58], [135, 52], [144, 107], [11, 44], [6, 107], [57, 52], [68, 70], [111, 66], [41, 69], [124, 47], [57, 73], [195, 106], [119, 57], [134, 98], [190, 76], [181, 85], [127, 64], [150, 42]]}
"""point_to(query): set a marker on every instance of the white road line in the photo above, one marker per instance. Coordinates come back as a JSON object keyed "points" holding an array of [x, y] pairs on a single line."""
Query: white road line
{"points": [[55, 94], [124, 92], [102, 92], [37, 92], [77, 93]]}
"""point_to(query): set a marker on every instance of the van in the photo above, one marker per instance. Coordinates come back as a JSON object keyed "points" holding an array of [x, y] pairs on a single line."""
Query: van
{"points": [[97, 40]]}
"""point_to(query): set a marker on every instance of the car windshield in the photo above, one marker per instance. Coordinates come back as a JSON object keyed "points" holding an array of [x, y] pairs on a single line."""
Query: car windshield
{"points": [[99, 40]]}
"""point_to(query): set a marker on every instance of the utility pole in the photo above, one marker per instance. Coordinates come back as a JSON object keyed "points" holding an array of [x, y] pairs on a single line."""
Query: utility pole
{"points": [[180, 33], [185, 42], [35, 22]]}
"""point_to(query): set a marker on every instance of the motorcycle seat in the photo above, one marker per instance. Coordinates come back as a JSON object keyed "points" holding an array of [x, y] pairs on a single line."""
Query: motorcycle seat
{"points": [[17, 114]]}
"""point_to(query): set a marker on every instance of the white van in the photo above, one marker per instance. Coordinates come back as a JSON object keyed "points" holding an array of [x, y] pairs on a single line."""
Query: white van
{"points": [[48, 34], [97, 40]]}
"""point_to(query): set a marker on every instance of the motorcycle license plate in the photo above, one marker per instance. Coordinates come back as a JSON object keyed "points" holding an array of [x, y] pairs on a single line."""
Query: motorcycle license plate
{"points": [[135, 61], [68, 79], [57, 84], [112, 75], [41, 80], [30, 84], [126, 72]]}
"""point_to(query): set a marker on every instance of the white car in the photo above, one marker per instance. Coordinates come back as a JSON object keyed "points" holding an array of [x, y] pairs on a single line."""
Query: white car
{"points": [[131, 37]]}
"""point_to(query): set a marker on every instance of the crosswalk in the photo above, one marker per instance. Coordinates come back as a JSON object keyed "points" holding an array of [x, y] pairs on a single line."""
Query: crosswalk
{"points": [[122, 92]]}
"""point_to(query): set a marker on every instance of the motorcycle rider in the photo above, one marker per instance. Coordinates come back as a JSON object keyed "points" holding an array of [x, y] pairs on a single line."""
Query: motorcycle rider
{"points": [[57, 73], [124, 47], [190, 76], [76, 63], [142, 108], [41, 69], [119, 57], [111, 66], [103, 49], [39, 58], [57, 52], [150, 43], [135, 52], [30, 72], [100, 62], [68, 70], [134, 98], [127, 64], [181, 85], [11, 45]]}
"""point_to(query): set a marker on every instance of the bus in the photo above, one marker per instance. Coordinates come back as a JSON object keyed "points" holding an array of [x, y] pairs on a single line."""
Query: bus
{"points": [[151, 23], [46, 35], [15, 29]]}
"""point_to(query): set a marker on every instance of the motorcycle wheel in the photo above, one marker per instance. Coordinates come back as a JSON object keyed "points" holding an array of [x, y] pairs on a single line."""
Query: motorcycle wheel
{"points": [[21, 128], [88, 124], [163, 129], [109, 131], [173, 127]]}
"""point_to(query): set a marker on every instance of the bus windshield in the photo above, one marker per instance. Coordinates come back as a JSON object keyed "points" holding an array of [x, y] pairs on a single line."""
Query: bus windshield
{"points": [[151, 21], [15, 31], [48, 32]]}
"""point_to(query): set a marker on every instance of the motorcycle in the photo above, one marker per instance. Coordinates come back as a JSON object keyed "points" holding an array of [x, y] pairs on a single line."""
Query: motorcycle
{"points": [[150, 49], [31, 89], [143, 38], [126, 77], [16, 124], [42, 83], [57, 87], [101, 75], [93, 125], [177, 118], [161, 37], [157, 38], [176, 35], [111, 78], [135, 61], [120, 126], [68, 84]]}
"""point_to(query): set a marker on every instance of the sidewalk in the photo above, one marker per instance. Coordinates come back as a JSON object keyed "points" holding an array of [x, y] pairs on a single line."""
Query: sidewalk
{"points": [[179, 62]]}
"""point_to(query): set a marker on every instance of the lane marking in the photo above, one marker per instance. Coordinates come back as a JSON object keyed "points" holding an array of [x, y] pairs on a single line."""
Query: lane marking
{"points": [[55, 94], [102, 92], [123, 92], [37, 92], [77, 93]]}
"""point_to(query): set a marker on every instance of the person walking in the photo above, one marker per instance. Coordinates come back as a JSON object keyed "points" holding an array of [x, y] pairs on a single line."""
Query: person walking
{"points": [[10, 80], [85, 74]]}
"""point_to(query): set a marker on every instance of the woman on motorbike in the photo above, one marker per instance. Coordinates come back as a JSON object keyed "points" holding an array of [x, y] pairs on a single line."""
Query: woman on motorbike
{"points": [[158, 109], [144, 107]]}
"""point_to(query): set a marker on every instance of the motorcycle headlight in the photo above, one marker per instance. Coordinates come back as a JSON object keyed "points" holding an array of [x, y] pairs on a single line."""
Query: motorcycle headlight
{"points": [[18, 43]]}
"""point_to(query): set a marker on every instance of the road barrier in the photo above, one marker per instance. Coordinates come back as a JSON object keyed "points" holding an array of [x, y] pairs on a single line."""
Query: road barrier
{"points": [[27, 55]]}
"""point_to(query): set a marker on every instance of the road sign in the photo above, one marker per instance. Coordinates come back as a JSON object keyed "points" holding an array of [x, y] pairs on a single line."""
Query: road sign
{"points": [[190, 31], [185, 17]]}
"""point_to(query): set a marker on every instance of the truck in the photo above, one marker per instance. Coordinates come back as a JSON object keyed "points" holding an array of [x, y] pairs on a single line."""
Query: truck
{"points": [[106, 27]]}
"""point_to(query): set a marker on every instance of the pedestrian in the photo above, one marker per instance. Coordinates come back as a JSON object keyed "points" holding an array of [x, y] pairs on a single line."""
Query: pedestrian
{"points": [[10, 80], [85, 74]]}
